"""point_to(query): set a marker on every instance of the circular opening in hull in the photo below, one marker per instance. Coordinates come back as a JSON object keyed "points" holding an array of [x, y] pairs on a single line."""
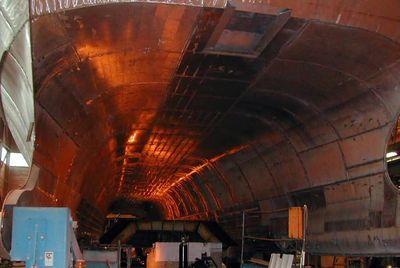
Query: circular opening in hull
{"points": [[392, 156]]}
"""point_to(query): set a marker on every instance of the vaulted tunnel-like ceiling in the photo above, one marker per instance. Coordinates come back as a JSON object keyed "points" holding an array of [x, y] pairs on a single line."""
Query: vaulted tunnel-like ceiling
{"points": [[133, 102]]}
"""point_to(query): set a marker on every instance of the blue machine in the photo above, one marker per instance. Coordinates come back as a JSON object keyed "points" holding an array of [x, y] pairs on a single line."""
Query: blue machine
{"points": [[43, 237]]}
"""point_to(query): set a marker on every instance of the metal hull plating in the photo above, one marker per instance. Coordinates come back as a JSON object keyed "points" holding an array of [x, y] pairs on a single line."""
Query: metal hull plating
{"points": [[130, 103]]}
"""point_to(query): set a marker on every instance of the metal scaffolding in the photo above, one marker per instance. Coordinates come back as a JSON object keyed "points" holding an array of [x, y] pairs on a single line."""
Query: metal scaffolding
{"points": [[303, 238]]}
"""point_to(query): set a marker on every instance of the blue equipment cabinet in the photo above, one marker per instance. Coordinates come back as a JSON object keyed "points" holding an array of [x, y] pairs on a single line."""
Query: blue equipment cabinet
{"points": [[42, 237]]}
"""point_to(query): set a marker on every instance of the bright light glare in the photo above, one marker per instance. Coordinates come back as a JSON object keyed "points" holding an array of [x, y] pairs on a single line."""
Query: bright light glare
{"points": [[391, 154], [17, 160], [132, 138], [3, 154]]}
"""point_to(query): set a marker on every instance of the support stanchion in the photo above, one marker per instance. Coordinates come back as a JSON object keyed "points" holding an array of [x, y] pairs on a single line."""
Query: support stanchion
{"points": [[303, 246], [298, 217], [242, 251]]}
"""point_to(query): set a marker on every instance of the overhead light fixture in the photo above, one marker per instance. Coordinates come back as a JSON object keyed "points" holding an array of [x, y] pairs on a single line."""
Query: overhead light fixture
{"points": [[391, 154]]}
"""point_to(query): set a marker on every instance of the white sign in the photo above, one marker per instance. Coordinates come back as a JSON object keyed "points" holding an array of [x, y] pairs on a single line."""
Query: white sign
{"points": [[48, 258]]}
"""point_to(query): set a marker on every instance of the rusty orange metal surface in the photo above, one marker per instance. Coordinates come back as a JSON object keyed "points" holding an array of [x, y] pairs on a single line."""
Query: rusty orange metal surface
{"points": [[156, 117], [133, 101]]}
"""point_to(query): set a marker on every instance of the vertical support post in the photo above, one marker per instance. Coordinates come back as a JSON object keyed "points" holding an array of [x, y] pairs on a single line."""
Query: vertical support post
{"points": [[242, 250], [76, 251], [303, 246], [128, 257], [35, 247], [183, 254], [119, 254]]}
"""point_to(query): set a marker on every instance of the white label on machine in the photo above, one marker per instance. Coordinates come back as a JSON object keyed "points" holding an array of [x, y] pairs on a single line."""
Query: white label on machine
{"points": [[48, 258]]}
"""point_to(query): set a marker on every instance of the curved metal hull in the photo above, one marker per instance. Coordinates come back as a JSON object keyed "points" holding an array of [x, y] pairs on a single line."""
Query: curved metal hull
{"points": [[208, 110]]}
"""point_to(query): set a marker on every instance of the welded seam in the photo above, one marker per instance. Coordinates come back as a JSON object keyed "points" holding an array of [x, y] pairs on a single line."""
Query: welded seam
{"points": [[57, 123], [168, 95], [181, 201], [210, 77], [342, 181], [68, 36], [245, 178], [175, 205], [190, 189], [278, 187], [200, 194], [250, 86], [365, 83], [347, 138], [213, 167], [210, 192], [322, 115], [125, 50], [213, 195], [188, 193], [309, 106], [170, 209], [282, 132], [80, 60], [354, 77]]}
